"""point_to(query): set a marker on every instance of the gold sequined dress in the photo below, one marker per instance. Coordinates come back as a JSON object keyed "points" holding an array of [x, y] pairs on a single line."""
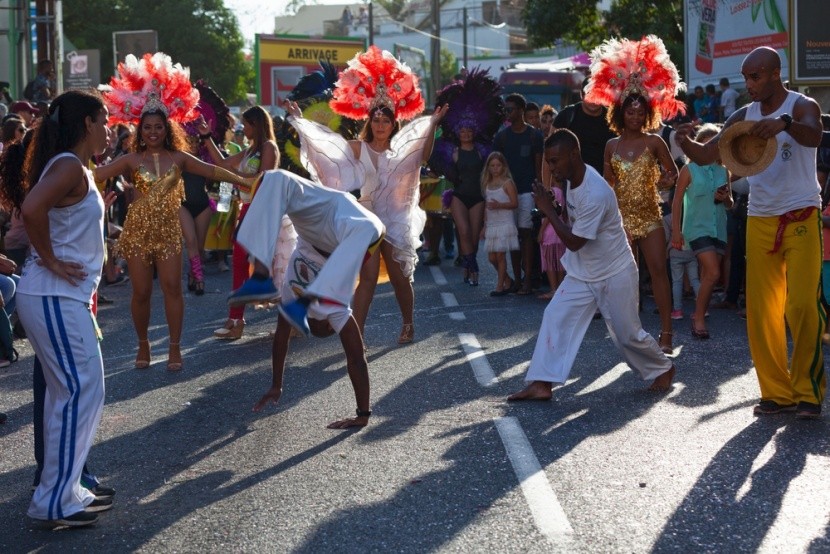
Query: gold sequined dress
{"points": [[637, 195], [152, 229]]}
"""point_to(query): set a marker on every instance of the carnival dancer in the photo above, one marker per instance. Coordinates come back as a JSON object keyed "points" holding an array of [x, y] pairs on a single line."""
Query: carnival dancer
{"points": [[638, 82], [261, 154], [157, 96], [475, 115], [783, 239], [64, 217], [601, 274], [383, 91], [195, 212]]}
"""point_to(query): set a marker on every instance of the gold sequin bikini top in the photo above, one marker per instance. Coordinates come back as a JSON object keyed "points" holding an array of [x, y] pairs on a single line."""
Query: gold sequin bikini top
{"points": [[144, 180]]}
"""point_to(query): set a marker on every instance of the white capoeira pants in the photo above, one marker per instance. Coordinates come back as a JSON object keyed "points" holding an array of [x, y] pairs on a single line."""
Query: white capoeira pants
{"points": [[330, 220], [63, 336], [568, 315]]}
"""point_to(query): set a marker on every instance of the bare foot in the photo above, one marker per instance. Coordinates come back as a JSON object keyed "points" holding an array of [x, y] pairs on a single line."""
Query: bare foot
{"points": [[349, 422], [537, 390], [663, 382]]}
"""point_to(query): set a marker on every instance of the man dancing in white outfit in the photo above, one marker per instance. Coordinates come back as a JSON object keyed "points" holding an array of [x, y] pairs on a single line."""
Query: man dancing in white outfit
{"points": [[330, 221], [601, 273]]}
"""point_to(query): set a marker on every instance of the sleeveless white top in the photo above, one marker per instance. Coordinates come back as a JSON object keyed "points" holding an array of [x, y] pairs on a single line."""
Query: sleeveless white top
{"points": [[77, 234], [790, 181]]}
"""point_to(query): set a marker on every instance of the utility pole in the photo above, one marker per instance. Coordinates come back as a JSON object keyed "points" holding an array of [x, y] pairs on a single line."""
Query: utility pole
{"points": [[435, 48], [371, 25], [464, 35]]}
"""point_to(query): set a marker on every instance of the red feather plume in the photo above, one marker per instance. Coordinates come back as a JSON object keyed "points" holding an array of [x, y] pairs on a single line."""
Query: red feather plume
{"points": [[151, 82], [376, 79], [622, 67]]}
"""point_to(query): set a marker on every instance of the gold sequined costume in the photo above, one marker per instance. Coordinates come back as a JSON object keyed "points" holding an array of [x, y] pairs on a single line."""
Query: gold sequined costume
{"points": [[637, 195], [152, 229]]}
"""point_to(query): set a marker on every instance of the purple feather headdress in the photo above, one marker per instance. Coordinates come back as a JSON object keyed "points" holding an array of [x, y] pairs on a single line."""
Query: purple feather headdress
{"points": [[475, 104], [215, 111]]}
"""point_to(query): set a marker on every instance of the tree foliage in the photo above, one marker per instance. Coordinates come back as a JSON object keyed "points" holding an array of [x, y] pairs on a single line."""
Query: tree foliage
{"points": [[580, 22], [201, 34]]}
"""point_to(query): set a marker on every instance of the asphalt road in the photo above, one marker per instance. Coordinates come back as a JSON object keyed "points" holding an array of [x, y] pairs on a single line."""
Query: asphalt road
{"points": [[445, 464]]}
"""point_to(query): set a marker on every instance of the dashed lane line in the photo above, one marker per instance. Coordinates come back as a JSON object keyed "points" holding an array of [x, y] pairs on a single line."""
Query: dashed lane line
{"points": [[478, 361], [449, 300], [437, 275], [547, 512]]}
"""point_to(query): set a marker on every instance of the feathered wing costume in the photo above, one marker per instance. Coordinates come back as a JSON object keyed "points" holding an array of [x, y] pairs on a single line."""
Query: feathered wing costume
{"points": [[475, 104], [375, 79], [313, 93], [622, 67]]}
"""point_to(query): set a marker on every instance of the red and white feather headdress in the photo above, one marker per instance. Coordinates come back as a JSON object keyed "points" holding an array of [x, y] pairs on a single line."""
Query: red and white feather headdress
{"points": [[153, 83], [376, 79], [622, 67]]}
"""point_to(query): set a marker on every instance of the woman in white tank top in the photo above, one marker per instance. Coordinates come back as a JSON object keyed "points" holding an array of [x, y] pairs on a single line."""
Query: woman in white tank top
{"points": [[64, 216]]}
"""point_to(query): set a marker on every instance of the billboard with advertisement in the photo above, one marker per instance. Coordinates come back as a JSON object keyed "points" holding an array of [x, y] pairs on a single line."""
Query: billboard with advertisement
{"points": [[720, 33], [810, 43], [82, 69], [280, 61]]}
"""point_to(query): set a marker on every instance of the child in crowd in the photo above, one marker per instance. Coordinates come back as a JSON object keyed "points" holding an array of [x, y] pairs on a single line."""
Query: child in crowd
{"points": [[703, 194], [681, 262], [551, 247], [500, 232]]}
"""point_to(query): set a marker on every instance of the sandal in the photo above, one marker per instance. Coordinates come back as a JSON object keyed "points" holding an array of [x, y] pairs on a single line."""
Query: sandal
{"points": [[524, 291], [407, 333], [191, 282], [174, 366], [473, 280], [141, 363], [199, 288], [702, 335], [232, 330], [666, 348]]}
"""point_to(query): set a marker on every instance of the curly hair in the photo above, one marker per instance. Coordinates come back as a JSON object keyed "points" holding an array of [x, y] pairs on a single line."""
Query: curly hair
{"points": [[616, 115], [174, 136], [13, 174]]}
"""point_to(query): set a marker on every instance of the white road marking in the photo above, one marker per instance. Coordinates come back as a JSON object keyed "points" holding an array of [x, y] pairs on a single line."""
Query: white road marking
{"points": [[548, 514], [449, 300], [437, 275], [457, 316], [478, 361]]}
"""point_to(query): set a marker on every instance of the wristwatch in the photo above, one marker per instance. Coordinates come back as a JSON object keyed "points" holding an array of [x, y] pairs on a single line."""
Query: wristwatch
{"points": [[787, 119]]}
